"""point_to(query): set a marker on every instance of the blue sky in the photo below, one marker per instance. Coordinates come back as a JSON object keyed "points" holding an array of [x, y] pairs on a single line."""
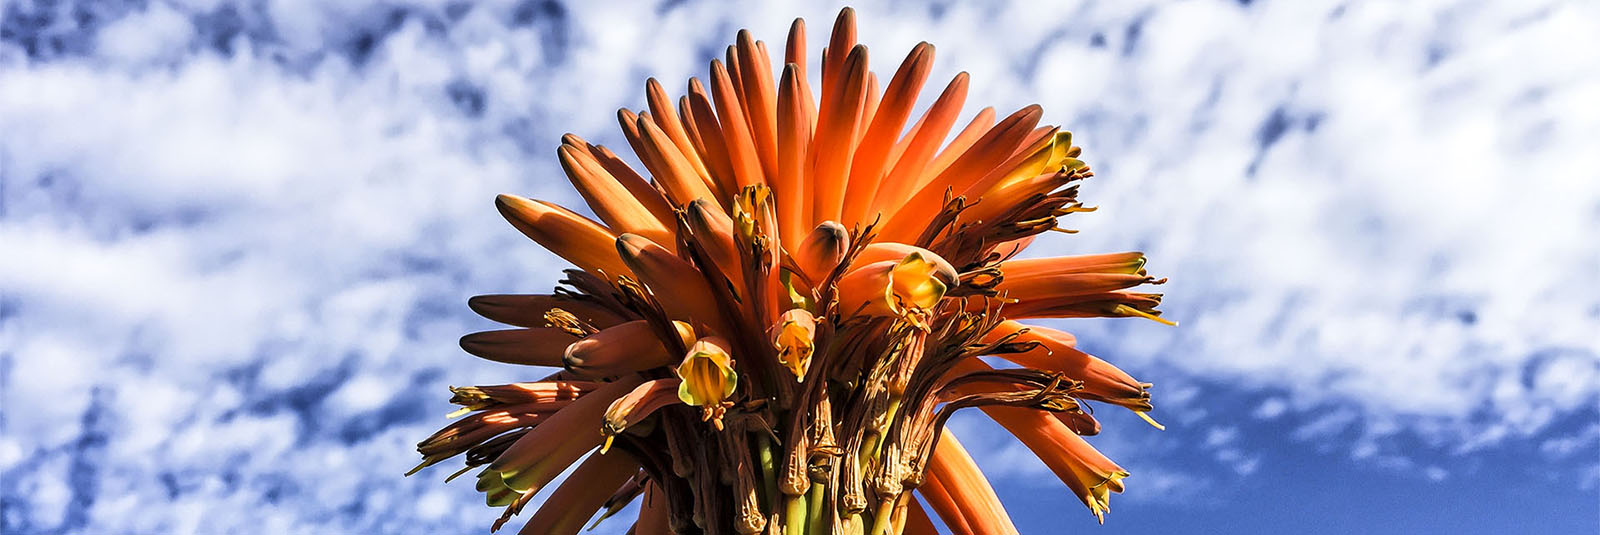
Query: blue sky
{"points": [[238, 238]]}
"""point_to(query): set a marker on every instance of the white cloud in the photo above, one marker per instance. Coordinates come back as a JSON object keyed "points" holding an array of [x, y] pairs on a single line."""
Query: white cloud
{"points": [[253, 256]]}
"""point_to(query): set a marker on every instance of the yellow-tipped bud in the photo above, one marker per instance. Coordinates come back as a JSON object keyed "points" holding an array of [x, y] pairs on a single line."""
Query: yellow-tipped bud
{"points": [[792, 337], [907, 289], [637, 405]]}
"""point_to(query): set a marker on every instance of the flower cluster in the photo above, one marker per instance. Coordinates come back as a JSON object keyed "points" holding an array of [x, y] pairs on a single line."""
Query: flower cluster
{"points": [[768, 330]]}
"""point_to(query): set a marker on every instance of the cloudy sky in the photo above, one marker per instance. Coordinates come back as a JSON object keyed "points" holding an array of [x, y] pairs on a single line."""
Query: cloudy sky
{"points": [[237, 237]]}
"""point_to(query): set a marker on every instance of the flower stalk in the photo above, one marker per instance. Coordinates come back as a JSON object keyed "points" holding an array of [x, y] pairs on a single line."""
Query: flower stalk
{"points": [[770, 323]]}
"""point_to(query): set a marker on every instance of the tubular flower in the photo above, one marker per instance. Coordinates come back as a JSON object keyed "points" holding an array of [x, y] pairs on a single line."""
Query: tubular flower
{"points": [[906, 288], [768, 324], [707, 373], [793, 338]]}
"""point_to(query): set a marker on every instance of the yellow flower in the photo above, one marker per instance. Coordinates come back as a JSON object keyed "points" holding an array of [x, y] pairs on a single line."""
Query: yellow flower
{"points": [[707, 373], [793, 338]]}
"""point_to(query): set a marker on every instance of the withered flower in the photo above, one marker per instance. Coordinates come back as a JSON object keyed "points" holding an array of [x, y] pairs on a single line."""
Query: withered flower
{"points": [[771, 322]]}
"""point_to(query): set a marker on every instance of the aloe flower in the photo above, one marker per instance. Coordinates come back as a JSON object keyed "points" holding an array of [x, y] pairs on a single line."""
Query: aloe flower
{"points": [[770, 323]]}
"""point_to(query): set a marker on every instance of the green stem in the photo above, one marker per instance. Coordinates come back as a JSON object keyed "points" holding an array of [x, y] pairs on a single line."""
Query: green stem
{"points": [[880, 521], [816, 503], [795, 516], [769, 471]]}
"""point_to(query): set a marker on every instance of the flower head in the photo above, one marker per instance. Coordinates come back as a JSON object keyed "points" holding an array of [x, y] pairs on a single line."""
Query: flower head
{"points": [[771, 320]]}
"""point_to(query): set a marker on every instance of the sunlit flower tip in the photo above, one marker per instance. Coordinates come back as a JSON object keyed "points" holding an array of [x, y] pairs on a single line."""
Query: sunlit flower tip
{"points": [[707, 373], [792, 337], [571, 236], [1056, 352], [639, 404], [1090, 475], [907, 289], [1050, 156], [882, 251], [1152, 421], [624, 348], [821, 250], [494, 489], [1152, 315], [572, 504], [547, 449]]}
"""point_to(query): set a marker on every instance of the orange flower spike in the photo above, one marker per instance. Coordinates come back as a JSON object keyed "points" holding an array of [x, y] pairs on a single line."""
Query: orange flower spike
{"points": [[707, 373], [794, 140], [835, 138], [840, 42], [1101, 380], [529, 310], [570, 236], [794, 53], [1122, 263], [943, 503], [639, 404], [867, 170], [987, 152], [735, 131], [662, 112], [641, 189], [612, 202], [917, 521], [760, 98], [1090, 475], [713, 229], [822, 250], [732, 65], [1057, 353], [907, 289], [899, 148], [546, 450], [677, 285], [792, 336], [584, 492], [1047, 286], [625, 348], [539, 346], [653, 513], [976, 128], [673, 171], [967, 488], [713, 146], [927, 135], [869, 106]]}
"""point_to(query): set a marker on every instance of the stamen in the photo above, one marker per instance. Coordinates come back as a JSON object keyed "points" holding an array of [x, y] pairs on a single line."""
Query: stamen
{"points": [[565, 321], [1125, 310], [1149, 420]]}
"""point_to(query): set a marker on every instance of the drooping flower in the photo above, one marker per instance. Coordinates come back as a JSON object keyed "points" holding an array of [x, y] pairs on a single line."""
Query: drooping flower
{"points": [[771, 321]]}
